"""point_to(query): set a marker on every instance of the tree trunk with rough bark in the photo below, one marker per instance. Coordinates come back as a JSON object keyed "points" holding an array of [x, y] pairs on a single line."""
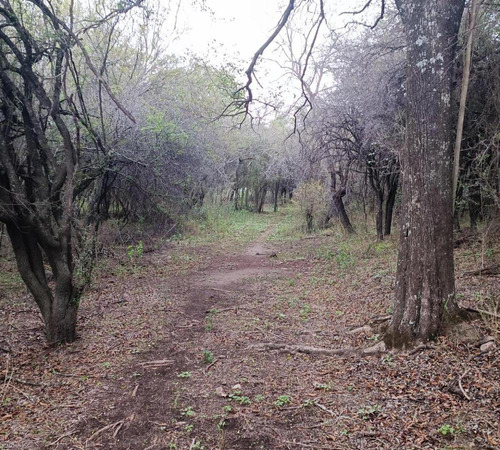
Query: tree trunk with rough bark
{"points": [[59, 306], [276, 195], [392, 190], [261, 196], [337, 207], [379, 215], [425, 285]]}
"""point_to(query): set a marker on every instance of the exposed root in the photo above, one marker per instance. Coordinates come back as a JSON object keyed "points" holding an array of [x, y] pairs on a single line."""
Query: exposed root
{"points": [[364, 329], [116, 427], [380, 347], [380, 319], [481, 312], [420, 348], [285, 348]]}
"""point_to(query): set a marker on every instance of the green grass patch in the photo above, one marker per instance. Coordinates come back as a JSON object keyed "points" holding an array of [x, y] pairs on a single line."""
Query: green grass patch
{"points": [[213, 223]]}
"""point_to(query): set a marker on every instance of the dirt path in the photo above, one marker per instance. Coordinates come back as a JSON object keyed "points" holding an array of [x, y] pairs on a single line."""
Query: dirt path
{"points": [[170, 357], [145, 408], [213, 390]]}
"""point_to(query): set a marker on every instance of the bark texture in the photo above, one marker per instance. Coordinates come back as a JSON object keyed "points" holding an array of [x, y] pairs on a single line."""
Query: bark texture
{"points": [[425, 285], [337, 192]]}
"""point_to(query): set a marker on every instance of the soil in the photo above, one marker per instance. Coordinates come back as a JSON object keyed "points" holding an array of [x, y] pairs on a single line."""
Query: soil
{"points": [[168, 357]]}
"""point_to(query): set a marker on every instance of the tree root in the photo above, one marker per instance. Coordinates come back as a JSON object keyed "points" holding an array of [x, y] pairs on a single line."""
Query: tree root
{"points": [[285, 348], [481, 312]]}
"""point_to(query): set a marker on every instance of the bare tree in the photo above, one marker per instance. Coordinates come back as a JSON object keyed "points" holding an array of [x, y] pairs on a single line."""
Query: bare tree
{"points": [[50, 155]]}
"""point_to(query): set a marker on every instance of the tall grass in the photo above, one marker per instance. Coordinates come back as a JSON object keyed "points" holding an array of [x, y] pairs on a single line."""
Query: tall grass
{"points": [[212, 222]]}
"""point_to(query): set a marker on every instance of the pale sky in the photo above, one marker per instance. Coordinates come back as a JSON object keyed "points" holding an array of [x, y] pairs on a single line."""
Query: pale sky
{"points": [[233, 30], [239, 26]]}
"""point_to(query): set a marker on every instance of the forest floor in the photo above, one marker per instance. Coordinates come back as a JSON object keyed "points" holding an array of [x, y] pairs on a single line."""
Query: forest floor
{"points": [[204, 344]]}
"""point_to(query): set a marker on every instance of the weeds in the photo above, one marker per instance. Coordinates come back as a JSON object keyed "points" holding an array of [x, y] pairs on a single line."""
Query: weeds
{"points": [[211, 223], [209, 320], [369, 412], [305, 311], [208, 357], [186, 374], [241, 399], [135, 252], [448, 430], [343, 259], [282, 400], [489, 307], [187, 412]]}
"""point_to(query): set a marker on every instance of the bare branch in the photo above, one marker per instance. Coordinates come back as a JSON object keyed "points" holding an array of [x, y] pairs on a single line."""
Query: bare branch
{"points": [[250, 71]]}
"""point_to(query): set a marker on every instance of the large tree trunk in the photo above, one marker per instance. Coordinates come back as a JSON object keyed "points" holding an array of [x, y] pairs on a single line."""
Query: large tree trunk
{"points": [[425, 286]]}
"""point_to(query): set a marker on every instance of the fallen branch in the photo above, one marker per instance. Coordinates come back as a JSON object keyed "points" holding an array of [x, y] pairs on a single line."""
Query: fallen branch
{"points": [[215, 361], [285, 348], [460, 384], [324, 408], [21, 381], [60, 438], [456, 387], [490, 270], [245, 307], [156, 363], [117, 429], [302, 444]]}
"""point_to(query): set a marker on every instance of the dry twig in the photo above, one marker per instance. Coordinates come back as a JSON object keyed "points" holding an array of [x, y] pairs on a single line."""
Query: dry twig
{"points": [[60, 438]]}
